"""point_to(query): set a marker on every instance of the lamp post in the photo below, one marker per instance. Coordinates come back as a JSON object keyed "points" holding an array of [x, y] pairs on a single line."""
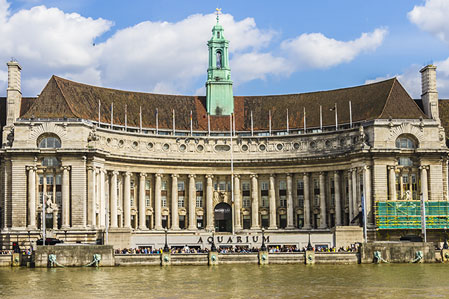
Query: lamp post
{"points": [[263, 247], [166, 249], [309, 246], [29, 238], [212, 246]]}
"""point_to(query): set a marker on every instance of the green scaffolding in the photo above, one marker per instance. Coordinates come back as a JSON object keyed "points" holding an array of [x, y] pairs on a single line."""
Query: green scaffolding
{"points": [[407, 214]]}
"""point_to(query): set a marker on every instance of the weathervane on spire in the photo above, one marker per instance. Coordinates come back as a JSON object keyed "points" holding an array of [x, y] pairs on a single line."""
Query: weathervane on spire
{"points": [[218, 13]]}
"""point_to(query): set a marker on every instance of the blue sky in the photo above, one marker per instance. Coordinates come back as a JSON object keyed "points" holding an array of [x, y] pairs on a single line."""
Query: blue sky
{"points": [[276, 46]]}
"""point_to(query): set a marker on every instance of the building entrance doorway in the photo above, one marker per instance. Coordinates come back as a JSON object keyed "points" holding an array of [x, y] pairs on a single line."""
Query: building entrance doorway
{"points": [[223, 217]]}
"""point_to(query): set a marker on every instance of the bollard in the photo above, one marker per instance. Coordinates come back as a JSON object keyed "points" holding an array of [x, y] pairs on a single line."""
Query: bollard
{"points": [[263, 257], [445, 255], [212, 258], [310, 257], [15, 260], [165, 258]]}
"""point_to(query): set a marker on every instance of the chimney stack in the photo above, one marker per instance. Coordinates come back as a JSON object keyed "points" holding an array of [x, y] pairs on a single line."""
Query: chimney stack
{"points": [[429, 95], [14, 93]]}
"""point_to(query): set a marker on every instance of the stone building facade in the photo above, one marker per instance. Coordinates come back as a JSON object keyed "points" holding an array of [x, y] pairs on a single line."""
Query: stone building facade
{"points": [[122, 167]]}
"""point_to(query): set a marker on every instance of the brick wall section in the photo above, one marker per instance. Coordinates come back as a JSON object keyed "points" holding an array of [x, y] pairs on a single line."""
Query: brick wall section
{"points": [[78, 191], [19, 193], [436, 182]]}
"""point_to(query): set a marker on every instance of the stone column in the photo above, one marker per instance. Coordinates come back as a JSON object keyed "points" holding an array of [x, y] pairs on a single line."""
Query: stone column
{"points": [[102, 198], [338, 218], [209, 202], [113, 199], [323, 210], [157, 202], [127, 200], [237, 205], [192, 202], [91, 196], [142, 208], [254, 202], [367, 194], [355, 207], [31, 197], [65, 197], [392, 182], [306, 179], [424, 186], [174, 202], [350, 205], [272, 195], [290, 224]]}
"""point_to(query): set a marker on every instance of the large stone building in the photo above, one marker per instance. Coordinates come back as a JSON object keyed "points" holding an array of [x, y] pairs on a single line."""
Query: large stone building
{"points": [[121, 166]]}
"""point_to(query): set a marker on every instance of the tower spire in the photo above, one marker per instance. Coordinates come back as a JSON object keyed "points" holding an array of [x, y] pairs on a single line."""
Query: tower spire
{"points": [[219, 95], [218, 13]]}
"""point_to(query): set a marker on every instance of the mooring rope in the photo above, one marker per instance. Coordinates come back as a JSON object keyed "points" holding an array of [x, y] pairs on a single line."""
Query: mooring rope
{"points": [[378, 257], [96, 260], [53, 262], [419, 256]]}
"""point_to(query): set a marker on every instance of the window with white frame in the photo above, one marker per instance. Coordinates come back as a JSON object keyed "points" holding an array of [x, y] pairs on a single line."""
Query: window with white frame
{"points": [[246, 194], [282, 193]]}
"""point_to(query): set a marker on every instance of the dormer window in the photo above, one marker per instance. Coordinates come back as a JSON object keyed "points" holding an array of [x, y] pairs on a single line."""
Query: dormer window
{"points": [[49, 141], [405, 142], [218, 34]]}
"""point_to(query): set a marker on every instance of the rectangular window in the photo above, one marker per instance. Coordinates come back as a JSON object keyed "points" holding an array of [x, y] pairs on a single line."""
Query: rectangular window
{"points": [[147, 184], [282, 194], [181, 186], [147, 200], [180, 201], [164, 200], [246, 222], [265, 201], [199, 201], [164, 185], [222, 186], [265, 221], [300, 192], [199, 186], [246, 202]]}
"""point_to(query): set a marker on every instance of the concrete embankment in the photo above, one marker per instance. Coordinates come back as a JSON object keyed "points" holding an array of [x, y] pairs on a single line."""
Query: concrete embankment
{"points": [[236, 258]]}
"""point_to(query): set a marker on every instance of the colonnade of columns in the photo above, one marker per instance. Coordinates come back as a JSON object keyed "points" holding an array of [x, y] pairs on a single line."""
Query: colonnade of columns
{"points": [[349, 187]]}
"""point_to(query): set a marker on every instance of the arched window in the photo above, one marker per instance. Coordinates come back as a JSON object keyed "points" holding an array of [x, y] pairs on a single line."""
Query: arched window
{"points": [[50, 162], [219, 64], [49, 141], [405, 142]]}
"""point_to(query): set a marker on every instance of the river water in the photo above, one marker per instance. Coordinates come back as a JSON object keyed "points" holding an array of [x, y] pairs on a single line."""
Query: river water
{"points": [[229, 281]]}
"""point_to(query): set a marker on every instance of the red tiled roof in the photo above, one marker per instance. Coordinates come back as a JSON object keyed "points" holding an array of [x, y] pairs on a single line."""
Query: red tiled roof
{"points": [[381, 100]]}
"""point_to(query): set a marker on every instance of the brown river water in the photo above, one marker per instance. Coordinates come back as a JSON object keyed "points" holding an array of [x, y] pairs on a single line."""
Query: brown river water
{"points": [[230, 281]]}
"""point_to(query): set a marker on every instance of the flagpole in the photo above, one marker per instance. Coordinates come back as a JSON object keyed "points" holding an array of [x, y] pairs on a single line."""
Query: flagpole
{"points": [[321, 118], [174, 124], [112, 115], [126, 116], [232, 172], [252, 124], [157, 121], [269, 121], [140, 119], [287, 122], [350, 114], [364, 218], [99, 113], [208, 124], [191, 124], [336, 117], [305, 121]]}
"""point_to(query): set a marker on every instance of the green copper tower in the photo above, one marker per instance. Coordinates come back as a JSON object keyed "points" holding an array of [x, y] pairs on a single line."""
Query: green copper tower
{"points": [[219, 96]]}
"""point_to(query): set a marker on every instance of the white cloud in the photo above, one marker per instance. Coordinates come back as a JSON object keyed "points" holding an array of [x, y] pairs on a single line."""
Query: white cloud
{"points": [[432, 17], [254, 65], [314, 50], [166, 57], [410, 80]]}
